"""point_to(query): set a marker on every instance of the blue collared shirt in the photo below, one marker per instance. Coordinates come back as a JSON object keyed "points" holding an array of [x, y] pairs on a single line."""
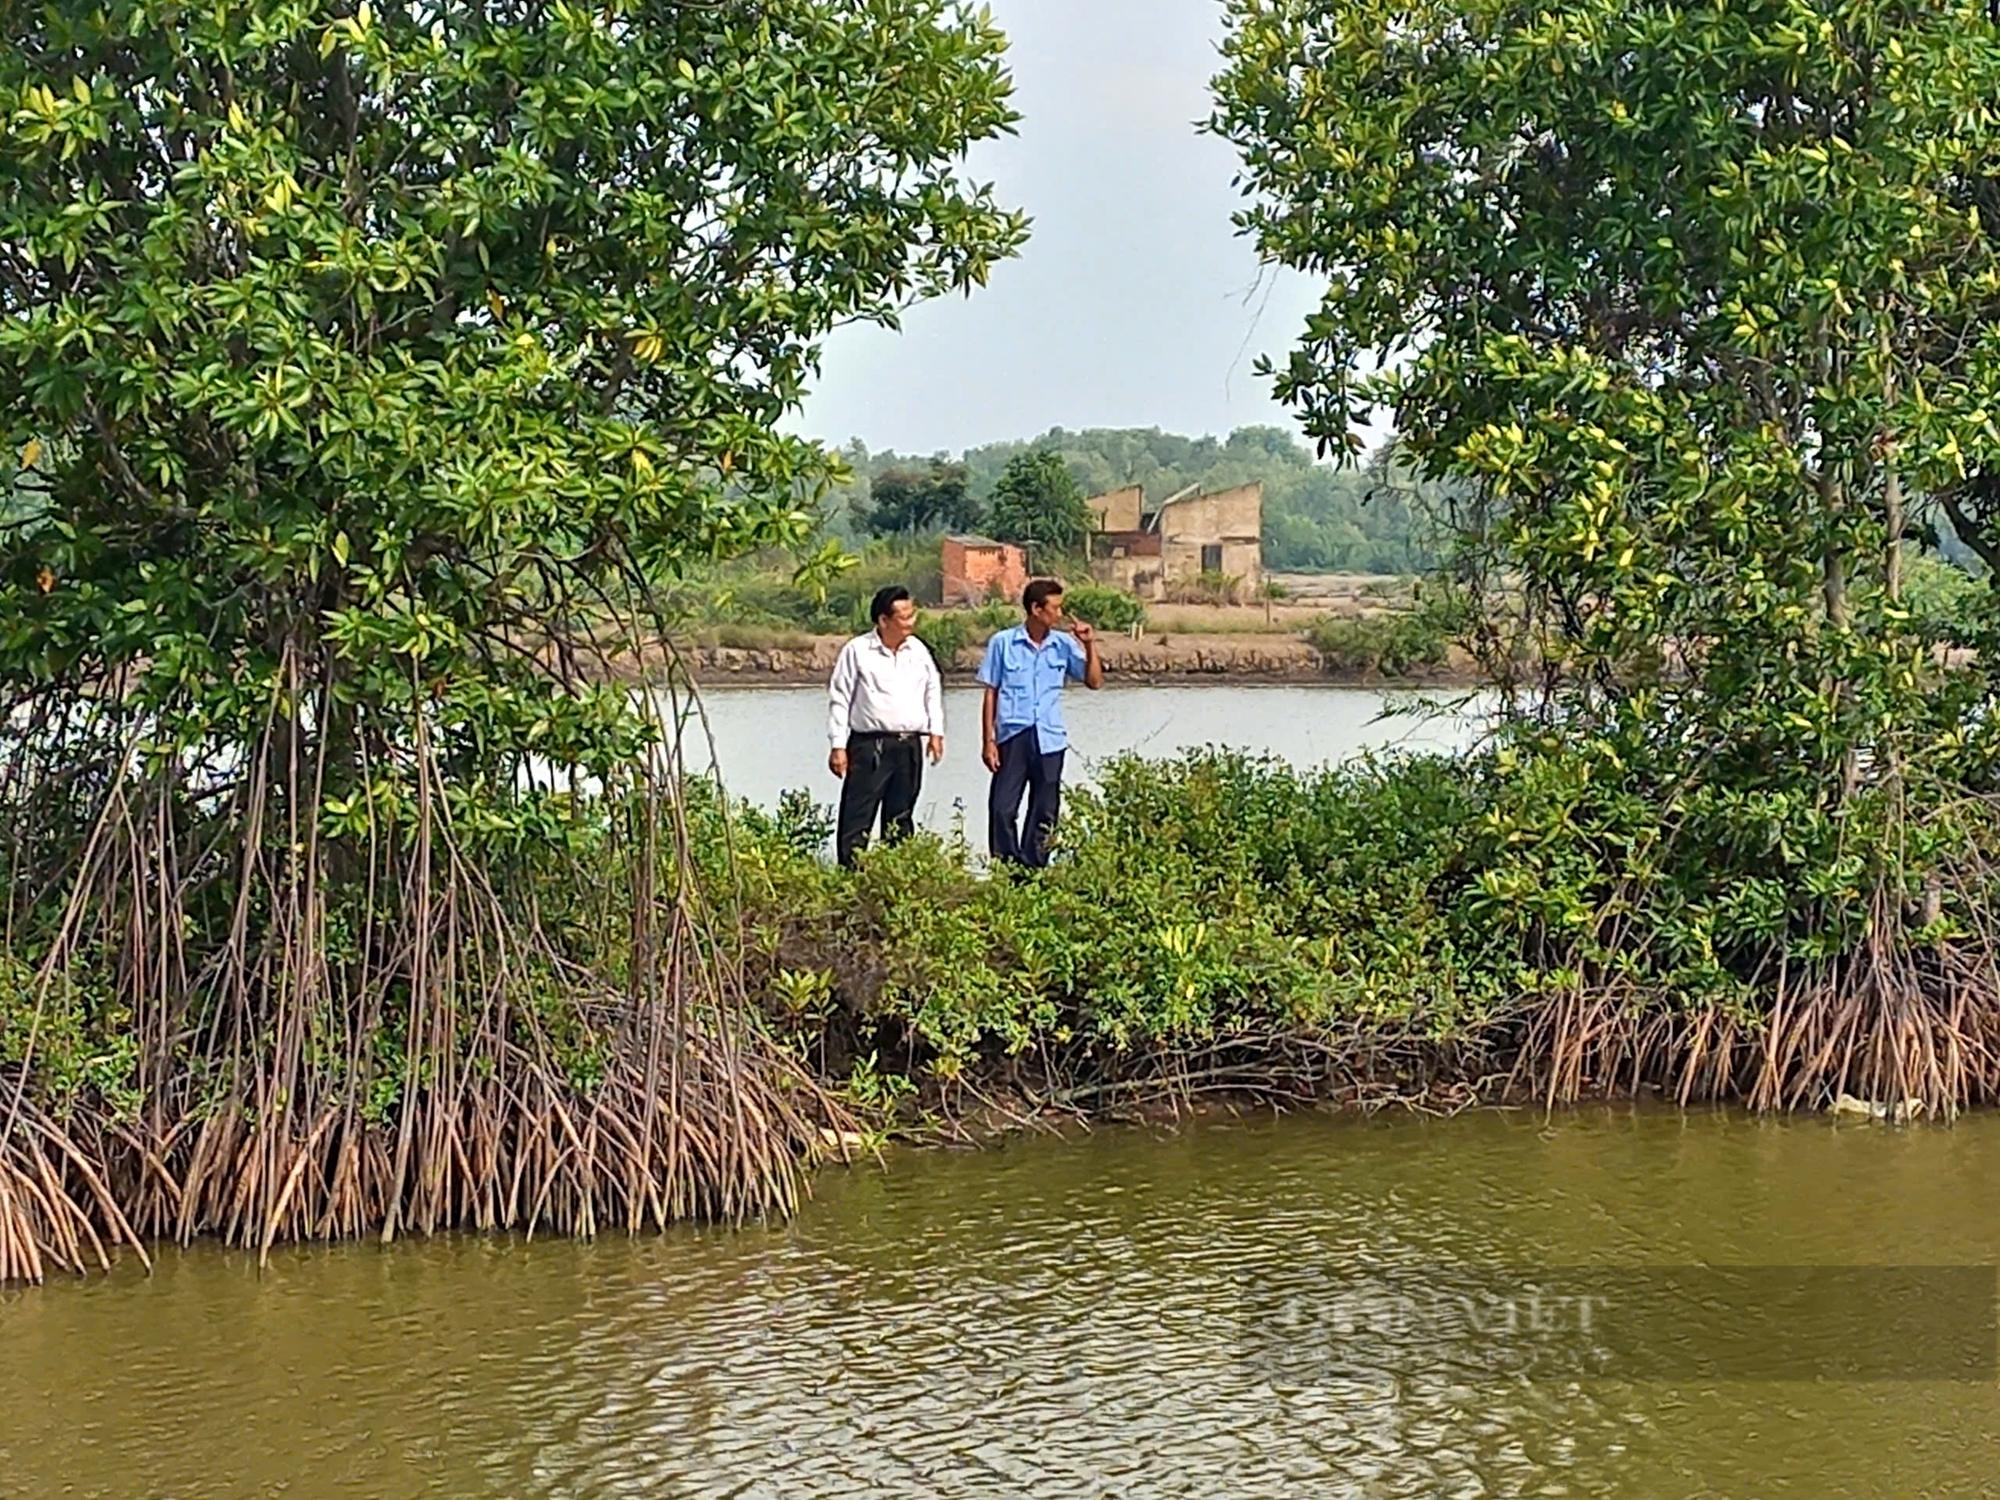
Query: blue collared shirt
{"points": [[1030, 680]]}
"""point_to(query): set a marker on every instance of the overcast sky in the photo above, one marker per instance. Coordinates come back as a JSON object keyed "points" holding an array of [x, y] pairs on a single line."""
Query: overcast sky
{"points": [[1135, 304]]}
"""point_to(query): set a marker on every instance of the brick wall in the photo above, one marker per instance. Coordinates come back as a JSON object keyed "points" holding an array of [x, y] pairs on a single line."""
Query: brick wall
{"points": [[1230, 522], [1129, 560], [1120, 509], [976, 571]]}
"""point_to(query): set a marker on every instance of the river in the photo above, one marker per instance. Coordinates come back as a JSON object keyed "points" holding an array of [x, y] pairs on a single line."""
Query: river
{"points": [[1046, 1318], [769, 740], [1090, 1316]]}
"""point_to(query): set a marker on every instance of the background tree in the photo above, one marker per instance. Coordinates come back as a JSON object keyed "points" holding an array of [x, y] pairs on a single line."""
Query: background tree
{"points": [[1697, 304], [1038, 502], [368, 365], [1318, 518], [902, 500]]}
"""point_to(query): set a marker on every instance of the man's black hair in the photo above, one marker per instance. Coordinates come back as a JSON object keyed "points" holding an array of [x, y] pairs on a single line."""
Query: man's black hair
{"points": [[1040, 591], [885, 602]]}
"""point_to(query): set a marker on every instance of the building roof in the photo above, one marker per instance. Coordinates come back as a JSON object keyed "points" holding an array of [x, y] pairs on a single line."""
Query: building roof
{"points": [[968, 539]]}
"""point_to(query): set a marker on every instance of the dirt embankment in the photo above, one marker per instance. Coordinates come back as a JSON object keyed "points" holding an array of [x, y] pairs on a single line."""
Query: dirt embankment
{"points": [[1261, 642], [1250, 658], [1148, 659]]}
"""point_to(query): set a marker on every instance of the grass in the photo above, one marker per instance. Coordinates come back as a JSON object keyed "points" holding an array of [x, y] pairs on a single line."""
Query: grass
{"points": [[1228, 619]]}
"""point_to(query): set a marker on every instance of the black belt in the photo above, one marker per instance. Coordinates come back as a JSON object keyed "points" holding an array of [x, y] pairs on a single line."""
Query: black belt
{"points": [[886, 734]]}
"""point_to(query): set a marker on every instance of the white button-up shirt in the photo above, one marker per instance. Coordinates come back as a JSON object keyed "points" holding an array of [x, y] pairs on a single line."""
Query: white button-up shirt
{"points": [[876, 690]]}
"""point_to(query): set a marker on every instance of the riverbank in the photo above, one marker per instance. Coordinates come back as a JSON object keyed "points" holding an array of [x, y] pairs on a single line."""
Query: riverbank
{"points": [[1351, 630], [1217, 926], [1151, 658]]}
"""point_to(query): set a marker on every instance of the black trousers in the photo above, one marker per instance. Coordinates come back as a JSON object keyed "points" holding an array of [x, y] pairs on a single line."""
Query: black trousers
{"points": [[884, 774], [1023, 767]]}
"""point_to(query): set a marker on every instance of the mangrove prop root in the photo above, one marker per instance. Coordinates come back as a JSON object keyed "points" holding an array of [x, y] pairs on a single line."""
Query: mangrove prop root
{"points": [[453, 1067], [1915, 1030]]}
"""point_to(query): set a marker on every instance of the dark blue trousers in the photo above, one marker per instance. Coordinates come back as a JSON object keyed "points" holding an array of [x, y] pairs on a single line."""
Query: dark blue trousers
{"points": [[1023, 768]]}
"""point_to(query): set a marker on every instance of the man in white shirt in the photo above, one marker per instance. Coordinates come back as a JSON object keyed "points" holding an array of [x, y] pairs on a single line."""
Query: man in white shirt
{"points": [[885, 708]]}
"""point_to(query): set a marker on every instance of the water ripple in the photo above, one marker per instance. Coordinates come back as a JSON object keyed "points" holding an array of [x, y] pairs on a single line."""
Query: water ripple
{"points": [[1044, 1319]]}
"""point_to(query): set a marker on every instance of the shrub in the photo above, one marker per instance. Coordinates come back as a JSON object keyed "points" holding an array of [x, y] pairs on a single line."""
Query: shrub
{"points": [[1393, 642], [1385, 644], [1207, 588], [1214, 896], [995, 614], [947, 632], [1106, 608]]}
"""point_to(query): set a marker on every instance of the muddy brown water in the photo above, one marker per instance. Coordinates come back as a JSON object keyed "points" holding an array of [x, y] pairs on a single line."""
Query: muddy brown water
{"points": [[1043, 1318]]}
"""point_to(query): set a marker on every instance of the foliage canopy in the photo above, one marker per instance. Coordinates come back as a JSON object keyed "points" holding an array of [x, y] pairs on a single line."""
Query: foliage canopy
{"points": [[389, 338], [1037, 501], [370, 367], [1698, 303], [1698, 299], [911, 500]]}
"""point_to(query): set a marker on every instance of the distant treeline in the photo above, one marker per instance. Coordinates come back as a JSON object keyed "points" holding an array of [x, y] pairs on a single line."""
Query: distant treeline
{"points": [[1376, 518]]}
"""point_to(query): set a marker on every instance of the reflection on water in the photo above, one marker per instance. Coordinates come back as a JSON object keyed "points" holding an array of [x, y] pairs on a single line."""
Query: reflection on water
{"points": [[1049, 1318], [768, 740]]}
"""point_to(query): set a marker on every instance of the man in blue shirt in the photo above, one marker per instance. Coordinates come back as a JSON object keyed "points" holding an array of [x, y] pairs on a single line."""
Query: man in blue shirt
{"points": [[1024, 672]]}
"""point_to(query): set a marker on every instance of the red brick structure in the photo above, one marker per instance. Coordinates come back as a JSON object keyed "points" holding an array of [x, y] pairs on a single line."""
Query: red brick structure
{"points": [[977, 569]]}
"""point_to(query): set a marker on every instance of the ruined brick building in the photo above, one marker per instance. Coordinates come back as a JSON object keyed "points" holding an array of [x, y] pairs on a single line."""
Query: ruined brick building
{"points": [[1151, 553]]}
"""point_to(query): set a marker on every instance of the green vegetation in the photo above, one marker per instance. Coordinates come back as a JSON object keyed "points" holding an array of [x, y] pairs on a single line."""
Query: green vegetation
{"points": [[1379, 518], [1694, 311], [772, 588], [1395, 642], [1215, 916], [1946, 602], [1038, 503], [948, 632], [371, 373], [760, 604], [1218, 920], [935, 498], [1106, 608]]}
